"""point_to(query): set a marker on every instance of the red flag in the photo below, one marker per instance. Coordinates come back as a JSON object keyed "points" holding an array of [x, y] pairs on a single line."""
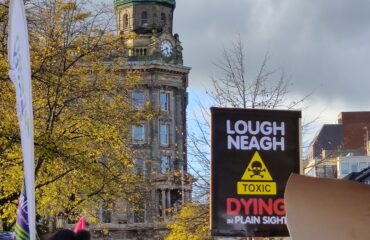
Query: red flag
{"points": [[81, 224]]}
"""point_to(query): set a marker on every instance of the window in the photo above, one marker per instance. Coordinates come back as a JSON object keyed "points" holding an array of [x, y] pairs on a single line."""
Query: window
{"points": [[362, 165], [176, 198], [140, 167], [165, 164], [138, 134], [330, 171], [163, 19], [139, 213], [159, 203], [144, 19], [125, 21], [140, 52], [320, 172], [164, 100], [164, 136], [106, 214], [354, 167], [345, 168], [138, 99]]}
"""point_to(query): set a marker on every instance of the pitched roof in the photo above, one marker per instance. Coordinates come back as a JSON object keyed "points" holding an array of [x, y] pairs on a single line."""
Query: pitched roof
{"points": [[330, 137]]}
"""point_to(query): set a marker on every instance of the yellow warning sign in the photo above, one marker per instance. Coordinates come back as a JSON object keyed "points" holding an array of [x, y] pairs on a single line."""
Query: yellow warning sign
{"points": [[257, 188], [256, 179]]}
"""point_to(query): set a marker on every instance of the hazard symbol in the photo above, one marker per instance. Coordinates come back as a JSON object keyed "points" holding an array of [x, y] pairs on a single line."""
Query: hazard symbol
{"points": [[256, 179], [256, 170]]}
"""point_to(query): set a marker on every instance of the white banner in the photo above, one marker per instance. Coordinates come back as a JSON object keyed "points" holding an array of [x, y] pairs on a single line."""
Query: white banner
{"points": [[20, 74]]}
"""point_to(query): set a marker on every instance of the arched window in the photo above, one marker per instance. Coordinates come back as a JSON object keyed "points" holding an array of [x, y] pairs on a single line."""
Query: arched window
{"points": [[144, 19], [125, 21], [163, 19]]}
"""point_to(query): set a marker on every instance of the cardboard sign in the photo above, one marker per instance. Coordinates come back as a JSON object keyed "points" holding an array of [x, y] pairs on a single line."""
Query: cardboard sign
{"points": [[253, 154], [330, 209]]}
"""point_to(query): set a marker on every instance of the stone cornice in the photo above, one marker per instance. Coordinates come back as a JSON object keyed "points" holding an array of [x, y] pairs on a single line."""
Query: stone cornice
{"points": [[122, 2], [156, 65]]}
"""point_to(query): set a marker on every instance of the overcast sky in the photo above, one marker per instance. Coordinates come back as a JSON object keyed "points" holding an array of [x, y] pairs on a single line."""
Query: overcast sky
{"points": [[322, 45]]}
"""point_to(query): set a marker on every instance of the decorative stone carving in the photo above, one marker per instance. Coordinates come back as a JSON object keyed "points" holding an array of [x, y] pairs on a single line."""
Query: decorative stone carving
{"points": [[178, 51]]}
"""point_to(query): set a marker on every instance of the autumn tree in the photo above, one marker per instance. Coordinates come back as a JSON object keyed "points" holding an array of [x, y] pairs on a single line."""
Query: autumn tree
{"points": [[231, 86], [191, 223], [82, 113]]}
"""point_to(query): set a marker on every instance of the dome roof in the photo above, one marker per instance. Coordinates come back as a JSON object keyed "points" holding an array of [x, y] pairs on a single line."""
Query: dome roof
{"points": [[123, 2]]}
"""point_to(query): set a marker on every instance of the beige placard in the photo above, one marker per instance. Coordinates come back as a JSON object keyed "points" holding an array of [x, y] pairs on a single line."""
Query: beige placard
{"points": [[327, 209]]}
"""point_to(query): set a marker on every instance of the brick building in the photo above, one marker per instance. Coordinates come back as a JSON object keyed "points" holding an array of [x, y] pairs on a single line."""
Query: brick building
{"points": [[337, 145], [356, 126]]}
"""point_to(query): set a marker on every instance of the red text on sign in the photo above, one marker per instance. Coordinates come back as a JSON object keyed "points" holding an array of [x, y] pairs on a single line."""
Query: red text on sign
{"points": [[255, 206]]}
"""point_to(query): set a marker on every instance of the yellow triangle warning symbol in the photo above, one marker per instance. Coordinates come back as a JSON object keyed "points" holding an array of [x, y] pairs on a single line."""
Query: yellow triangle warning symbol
{"points": [[256, 170]]}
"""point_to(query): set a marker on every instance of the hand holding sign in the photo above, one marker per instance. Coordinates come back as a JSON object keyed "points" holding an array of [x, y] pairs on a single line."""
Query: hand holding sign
{"points": [[329, 209]]}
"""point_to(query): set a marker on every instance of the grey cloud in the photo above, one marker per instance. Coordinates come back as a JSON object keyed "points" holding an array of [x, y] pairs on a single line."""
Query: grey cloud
{"points": [[321, 44]]}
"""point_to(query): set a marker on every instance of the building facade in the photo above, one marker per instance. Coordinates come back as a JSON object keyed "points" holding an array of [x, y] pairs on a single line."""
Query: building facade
{"points": [[155, 54], [356, 126], [340, 149]]}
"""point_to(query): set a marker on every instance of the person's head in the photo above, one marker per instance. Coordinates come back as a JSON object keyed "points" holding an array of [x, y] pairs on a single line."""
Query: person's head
{"points": [[83, 235], [63, 234]]}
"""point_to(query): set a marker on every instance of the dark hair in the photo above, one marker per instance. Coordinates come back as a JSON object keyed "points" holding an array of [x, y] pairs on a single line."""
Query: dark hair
{"points": [[83, 235], [63, 234]]}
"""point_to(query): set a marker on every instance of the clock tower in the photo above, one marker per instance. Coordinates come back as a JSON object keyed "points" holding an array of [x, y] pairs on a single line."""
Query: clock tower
{"points": [[147, 27], [155, 53]]}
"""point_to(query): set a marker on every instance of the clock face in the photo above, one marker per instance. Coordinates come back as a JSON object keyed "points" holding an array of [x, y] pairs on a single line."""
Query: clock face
{"points": [[166, 48]]}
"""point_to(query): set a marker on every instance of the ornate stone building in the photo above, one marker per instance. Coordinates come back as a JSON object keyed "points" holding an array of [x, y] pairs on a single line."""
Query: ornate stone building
{"points": [[155, 53]]}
